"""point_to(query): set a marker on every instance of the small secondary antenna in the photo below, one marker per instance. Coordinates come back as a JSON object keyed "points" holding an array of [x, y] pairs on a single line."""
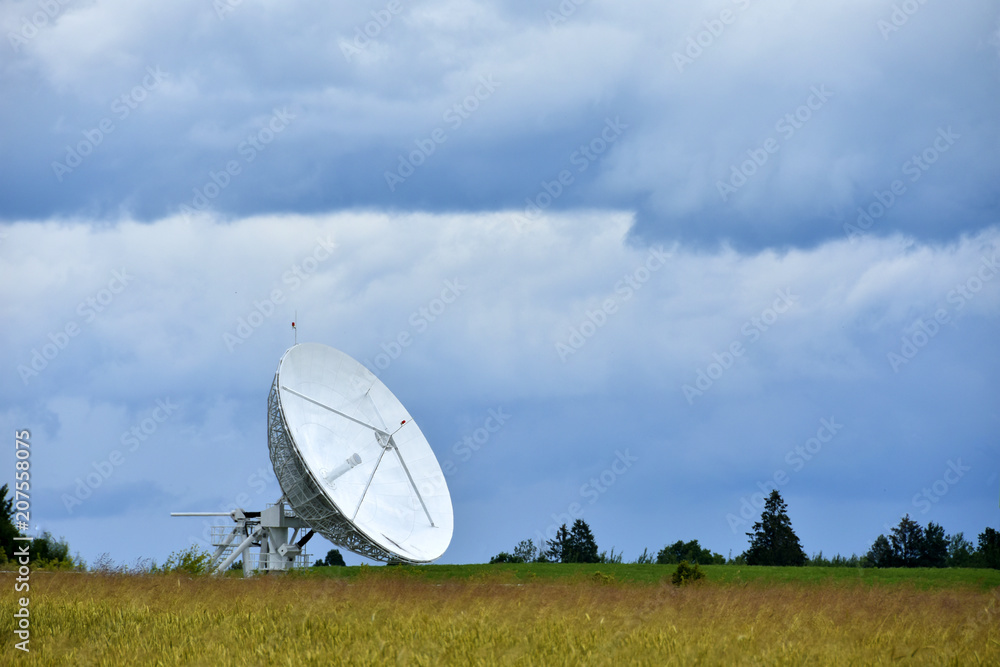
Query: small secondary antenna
{"points": [[294, 329]]}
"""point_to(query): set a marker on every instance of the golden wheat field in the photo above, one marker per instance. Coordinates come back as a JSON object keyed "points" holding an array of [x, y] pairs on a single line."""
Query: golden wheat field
{"points": [[88, 619]]}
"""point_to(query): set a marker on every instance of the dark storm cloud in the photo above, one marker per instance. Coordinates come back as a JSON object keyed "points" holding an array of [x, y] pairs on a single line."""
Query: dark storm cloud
{"points": [[762, 123]]}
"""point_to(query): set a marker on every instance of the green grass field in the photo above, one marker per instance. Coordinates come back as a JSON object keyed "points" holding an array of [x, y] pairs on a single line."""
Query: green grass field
{"points": [[535, 614], [921, 578]]}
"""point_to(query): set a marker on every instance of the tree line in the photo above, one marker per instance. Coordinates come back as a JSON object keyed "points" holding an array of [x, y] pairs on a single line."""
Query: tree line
{"points": [[773, 541], [42, 550]]}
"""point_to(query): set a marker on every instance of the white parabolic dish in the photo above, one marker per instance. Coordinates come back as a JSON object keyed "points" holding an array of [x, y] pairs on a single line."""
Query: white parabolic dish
{"points": [[325, 412]]}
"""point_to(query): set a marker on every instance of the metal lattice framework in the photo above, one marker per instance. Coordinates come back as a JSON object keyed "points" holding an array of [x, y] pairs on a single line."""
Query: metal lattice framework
{"points": [[304, 494], [226, 539]]}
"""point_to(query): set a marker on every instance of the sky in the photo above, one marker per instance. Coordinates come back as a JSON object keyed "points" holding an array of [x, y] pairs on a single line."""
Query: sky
{"points": [[632, 262]]}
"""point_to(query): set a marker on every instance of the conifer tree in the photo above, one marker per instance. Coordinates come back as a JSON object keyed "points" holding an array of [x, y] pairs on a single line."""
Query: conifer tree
{"points": [[573, 545], [773, 541], [583, 546], [559, 547], [881, 553], [7, 529], [934, 551], [989, 548], [907, 542]]}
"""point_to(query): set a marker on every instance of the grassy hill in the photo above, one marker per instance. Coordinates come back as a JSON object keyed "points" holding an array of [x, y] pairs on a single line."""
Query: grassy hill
{"points": [[921, 578]]}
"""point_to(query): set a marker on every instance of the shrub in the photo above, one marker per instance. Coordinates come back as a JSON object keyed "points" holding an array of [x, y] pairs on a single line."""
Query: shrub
{"points": [[504, 557], [602, 578], [644, 559], [333, 559], [614, 558], [192, 561], [685, 574], [691, 551]]}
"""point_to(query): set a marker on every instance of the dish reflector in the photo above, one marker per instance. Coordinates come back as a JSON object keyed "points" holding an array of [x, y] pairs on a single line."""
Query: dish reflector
{"points": [[351, 460]]}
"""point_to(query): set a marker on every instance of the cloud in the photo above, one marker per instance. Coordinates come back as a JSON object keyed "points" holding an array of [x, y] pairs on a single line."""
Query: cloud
{"points": [[585, 337], [689, 232], [355, 114]]}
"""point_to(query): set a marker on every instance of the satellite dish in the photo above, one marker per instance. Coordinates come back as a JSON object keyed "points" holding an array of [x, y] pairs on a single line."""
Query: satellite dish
{"points": [[353, 465], [352, 462]]}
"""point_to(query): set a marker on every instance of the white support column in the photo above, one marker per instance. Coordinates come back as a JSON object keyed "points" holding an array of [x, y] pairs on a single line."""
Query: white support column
{"points": [[244, 545], [265, 556], [222, 547]]}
